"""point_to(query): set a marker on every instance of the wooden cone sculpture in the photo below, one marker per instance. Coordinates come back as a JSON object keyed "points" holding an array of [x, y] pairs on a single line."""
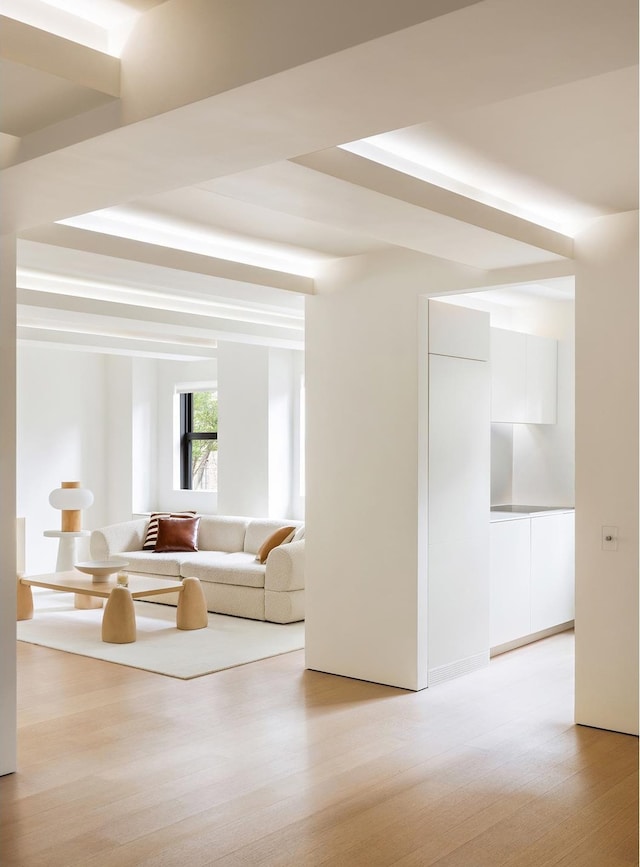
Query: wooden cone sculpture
{"points": [[192, 606], [119, 618]]}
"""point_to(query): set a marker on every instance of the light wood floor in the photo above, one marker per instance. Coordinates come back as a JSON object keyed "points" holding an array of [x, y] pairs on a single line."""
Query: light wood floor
{"points": [[268, 764]]}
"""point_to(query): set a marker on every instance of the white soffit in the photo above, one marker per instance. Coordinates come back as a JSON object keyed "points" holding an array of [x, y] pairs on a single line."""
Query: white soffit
{"points": [[170, 230], [516, 295], [533, 156]]}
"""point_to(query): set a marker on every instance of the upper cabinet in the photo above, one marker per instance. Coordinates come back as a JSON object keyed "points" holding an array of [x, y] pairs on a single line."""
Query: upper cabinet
{"points": [[524, 377], [458, 331]]}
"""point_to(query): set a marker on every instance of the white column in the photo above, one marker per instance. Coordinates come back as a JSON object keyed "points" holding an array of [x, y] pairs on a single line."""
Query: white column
{"points": [[607, 473], [365, 555], [8, 751], [243, 429], [280, 443]]}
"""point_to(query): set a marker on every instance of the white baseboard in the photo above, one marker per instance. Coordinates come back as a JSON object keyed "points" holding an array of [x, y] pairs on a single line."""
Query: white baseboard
{"points": [[457, 668], [529, 639]]}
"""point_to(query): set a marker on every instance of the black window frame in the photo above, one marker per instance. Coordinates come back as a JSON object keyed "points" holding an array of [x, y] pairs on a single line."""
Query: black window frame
{"points": [[187, 436]]}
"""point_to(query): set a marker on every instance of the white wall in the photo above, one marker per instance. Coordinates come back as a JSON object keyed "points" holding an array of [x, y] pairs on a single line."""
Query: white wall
{"points": [[298, 438], [8, 704], [502, 464], [62, 412], [281, 407], [607, 473], [119, 433], [145, 427], [258, 406]]}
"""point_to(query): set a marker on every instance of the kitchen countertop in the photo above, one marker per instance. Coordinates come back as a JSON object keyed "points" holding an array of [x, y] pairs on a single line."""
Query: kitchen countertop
{"points": [[514, 513]]}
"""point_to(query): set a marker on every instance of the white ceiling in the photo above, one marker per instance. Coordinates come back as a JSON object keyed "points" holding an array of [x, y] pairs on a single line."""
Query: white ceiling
{"points": [[487, 136]]}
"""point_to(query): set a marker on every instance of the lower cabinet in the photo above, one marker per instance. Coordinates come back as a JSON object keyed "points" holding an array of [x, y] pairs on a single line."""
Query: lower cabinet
{"points": [[510, 580], [552, 570], [532, 575]]}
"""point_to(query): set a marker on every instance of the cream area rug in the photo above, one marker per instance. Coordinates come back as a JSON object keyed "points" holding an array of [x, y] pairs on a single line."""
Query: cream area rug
{"points": [[160, 647]]}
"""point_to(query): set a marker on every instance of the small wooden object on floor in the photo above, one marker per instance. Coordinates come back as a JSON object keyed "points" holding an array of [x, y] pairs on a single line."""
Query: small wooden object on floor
{"points": [[119, 618], [84, 602], [24, 601], [192, 606]]}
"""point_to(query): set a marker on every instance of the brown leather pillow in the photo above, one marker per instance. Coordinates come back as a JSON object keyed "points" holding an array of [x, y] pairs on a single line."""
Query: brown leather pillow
{"points": [[151, 535], [273, 541], [177, 534]]}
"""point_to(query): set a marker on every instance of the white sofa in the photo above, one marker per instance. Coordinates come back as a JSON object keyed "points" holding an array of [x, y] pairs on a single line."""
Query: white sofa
{"points": [[233, 581]]}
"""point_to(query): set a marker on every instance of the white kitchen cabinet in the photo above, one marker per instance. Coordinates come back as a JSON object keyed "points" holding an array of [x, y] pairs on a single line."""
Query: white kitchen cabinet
{"points": [[459, 447], [532, 575], [524, 374], [542, 379], [458, 494], [458, 634], [510, 581], [458, 331], [552, 570]]}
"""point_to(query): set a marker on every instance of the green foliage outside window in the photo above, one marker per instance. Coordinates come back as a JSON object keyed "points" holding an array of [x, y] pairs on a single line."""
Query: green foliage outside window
{"points": [[203, 451]]}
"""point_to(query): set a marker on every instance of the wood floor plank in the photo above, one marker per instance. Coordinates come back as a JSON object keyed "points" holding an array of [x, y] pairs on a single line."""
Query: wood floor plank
{"points": [[269, 764]]}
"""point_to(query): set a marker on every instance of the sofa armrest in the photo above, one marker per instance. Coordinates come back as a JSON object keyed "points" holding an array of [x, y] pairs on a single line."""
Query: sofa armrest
{"points": [[285, 567], [127, 536]]}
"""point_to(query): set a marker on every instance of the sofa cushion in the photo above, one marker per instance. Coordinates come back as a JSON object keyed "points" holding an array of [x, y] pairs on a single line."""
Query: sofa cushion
{"points": [[238, 568], [151, 535], [221, 533], [177, 534], [284, 534], [259, 530], [158, 564]]}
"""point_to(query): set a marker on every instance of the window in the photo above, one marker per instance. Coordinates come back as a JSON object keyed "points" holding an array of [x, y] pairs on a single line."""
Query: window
{"points": [[199, 441]]}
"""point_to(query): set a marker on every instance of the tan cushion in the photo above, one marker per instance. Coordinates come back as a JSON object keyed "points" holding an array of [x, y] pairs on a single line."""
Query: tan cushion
{"points": [[177, 534], [273, 541], [259, 530]]}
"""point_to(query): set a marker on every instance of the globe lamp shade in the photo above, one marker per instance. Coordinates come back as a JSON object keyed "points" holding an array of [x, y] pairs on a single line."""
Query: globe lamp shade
{"points": [[70, 498]]}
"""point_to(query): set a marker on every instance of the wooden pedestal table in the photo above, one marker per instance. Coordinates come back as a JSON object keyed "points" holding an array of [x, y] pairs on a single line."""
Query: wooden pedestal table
{"points": [[67, 557], [118, 621]]}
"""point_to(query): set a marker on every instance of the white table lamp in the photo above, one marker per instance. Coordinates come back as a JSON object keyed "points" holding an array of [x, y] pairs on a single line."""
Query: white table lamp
{"points": [[71, 499]]}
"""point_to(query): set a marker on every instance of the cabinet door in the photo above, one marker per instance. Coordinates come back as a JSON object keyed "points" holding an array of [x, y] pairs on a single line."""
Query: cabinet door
{"points": [[510, 560], [458, 332], [459, 447], [542, 379], [508, 376], [458, 504], [552, 570]]}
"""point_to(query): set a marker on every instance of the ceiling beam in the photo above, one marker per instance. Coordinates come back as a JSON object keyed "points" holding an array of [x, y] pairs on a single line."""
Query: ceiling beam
{"points": [[118, 318], [111, 345], [166, 257], [327, 96], [389, 182], [38, 49]]}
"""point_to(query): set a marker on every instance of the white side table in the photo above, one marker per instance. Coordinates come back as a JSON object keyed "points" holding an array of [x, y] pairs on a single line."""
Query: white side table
{"points": [[67, 557]]}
